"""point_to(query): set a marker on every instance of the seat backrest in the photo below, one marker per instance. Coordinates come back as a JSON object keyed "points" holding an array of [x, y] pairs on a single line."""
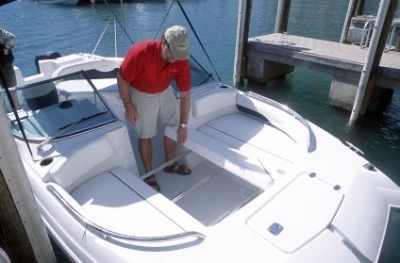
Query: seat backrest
{"points": [[100, 65], [278, 118], [41, 96], [212, 104], [81, 164]]}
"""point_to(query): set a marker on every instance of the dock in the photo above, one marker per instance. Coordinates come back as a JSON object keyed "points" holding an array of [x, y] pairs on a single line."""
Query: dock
{"points": [[361, 74], [320, 55], [274, 55]]}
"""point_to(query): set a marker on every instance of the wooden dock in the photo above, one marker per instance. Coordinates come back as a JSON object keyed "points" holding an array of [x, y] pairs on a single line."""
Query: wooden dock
{"points": [[337, 59]]}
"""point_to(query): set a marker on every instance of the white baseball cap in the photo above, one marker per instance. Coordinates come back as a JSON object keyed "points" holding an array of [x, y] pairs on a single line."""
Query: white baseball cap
{"points": [[177, 38]]}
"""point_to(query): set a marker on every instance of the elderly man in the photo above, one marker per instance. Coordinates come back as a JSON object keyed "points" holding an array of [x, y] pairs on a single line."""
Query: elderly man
{"points": [[144, 82]]}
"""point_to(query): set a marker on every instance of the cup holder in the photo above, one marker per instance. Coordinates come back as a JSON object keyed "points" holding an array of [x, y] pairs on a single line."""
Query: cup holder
{"points": [[46, 161]]}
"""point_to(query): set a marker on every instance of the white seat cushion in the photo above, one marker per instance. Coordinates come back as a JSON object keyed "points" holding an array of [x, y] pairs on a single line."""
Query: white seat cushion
{"points": [[117, 208], [211, 104], [123, 203], [247, 167], [249, 134]]}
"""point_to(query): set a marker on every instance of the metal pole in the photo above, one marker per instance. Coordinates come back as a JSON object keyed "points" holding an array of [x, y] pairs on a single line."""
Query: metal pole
{"points": [[347, 20], [22, 213], [239, 42], [123, 14], [282, 16], [366, 71]]}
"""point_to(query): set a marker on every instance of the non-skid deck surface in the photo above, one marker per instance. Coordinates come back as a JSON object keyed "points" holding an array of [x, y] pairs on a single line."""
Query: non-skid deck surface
{"points": [[209, 193]]}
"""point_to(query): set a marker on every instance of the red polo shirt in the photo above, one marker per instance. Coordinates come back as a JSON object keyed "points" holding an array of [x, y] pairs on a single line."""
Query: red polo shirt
{"points": [[145, 69]]}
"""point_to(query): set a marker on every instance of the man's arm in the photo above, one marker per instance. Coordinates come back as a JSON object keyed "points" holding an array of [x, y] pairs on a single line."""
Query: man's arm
{"points": [[184, 106], [125, 93], [184, 116], [123, 88]]}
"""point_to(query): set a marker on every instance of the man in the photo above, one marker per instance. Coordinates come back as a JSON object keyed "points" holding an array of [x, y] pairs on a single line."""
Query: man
{"points": [[144, 82]]}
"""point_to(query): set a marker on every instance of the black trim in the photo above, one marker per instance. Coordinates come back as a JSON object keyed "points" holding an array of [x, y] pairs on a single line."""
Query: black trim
{"points": [[253, 113], [389, 252]]}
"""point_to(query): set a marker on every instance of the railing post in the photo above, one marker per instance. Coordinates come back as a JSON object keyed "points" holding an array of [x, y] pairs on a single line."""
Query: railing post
{"points": [[244, 13], [282, 16]]}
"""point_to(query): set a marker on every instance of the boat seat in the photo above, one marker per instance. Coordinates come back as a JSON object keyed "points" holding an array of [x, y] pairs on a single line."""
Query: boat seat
{"points": [[251, 136], [233, 160], [278, 118], [246, 146], [77, 166], [211, 104], [120, 201], [41, 96], [100, 65]]}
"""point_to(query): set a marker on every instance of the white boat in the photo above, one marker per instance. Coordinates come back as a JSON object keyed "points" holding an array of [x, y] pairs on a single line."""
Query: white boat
{"points": [[266, 184], [4, 257]]}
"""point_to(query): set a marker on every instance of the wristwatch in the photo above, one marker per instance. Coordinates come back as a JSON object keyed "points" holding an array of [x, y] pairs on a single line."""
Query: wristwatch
{"points": [[183, 125]]}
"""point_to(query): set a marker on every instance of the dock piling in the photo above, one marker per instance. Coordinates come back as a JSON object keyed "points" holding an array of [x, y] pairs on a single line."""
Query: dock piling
{"points": [[26, 237], [378, 42], [282, 16], [242, 35]]}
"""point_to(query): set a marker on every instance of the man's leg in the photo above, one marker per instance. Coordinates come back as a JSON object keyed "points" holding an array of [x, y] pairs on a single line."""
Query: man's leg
{"points": [[146, 151], [169, 115], [145, 126], [169, 148]]}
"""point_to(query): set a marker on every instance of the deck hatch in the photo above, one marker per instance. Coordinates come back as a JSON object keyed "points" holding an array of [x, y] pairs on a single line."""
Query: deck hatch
{"points": [[302, 211]]}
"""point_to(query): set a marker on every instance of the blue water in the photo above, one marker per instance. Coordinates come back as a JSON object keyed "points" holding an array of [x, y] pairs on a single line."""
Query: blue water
{"points": [[41, 27]]}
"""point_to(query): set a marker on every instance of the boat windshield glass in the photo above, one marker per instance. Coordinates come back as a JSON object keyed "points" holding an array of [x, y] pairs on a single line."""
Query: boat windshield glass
{"points": [[59, 107], [198, 76], [391, 243]]}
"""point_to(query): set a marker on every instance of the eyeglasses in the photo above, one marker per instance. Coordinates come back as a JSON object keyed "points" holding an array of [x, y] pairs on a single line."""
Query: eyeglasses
{"points": [[169, 48]]}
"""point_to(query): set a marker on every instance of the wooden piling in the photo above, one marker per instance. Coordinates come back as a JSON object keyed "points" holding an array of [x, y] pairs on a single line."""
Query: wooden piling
{"points": [[355, 8], [282, 16], [387, 9], [24, 232], [397, 47], [244, 14]]}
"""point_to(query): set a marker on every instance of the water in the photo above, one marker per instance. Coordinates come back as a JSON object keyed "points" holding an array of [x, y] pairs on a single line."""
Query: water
{"points": [[40, 28]]}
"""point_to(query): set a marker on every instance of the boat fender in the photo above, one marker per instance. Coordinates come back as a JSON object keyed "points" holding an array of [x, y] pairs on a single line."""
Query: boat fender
{"points": [[45, 55]]}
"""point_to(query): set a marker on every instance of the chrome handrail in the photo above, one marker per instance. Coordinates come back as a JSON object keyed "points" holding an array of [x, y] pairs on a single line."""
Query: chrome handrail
{"points": [[109, 233], [312, 140], [368, 27]]}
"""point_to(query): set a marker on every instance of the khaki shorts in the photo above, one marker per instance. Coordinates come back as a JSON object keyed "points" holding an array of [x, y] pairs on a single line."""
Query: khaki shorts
{"points": [[150, 108]]}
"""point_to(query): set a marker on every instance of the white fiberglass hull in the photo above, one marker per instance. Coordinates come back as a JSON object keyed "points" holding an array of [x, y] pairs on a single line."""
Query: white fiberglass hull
{"points": [[266, 186]]}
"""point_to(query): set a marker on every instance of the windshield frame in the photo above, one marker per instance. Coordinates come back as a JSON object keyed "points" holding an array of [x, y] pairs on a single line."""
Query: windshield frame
{"points": [[71, 133]]}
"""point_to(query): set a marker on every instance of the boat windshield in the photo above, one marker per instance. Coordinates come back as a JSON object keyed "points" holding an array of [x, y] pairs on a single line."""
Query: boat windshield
{"points": [[59, 107], [198, 75]]}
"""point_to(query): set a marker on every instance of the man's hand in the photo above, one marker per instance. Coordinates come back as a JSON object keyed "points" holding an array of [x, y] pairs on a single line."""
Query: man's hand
{"points": [[130, 113], [182, 135]]}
